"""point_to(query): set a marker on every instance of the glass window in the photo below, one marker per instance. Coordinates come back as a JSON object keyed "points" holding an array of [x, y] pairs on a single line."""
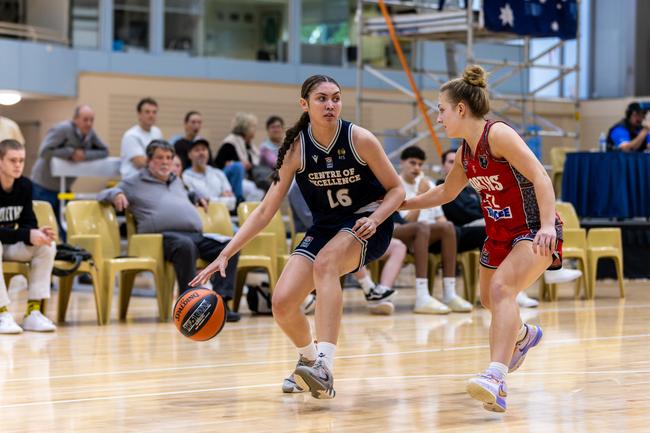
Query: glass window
{"points": [[325, 33], [246, 29], [85, 23], [184, 26], [131, 25]]}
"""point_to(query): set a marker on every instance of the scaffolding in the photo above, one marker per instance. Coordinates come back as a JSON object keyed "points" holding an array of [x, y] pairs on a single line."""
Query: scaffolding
{"points": [[457, 27]]}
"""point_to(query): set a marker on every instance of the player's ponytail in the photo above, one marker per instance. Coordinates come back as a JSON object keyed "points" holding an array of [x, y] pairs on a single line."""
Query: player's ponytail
{"points": [[289, 138], [292, 133]]}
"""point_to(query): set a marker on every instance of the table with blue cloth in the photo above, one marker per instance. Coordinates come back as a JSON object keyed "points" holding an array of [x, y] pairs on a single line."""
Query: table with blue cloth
{"points": [[607, 185]]}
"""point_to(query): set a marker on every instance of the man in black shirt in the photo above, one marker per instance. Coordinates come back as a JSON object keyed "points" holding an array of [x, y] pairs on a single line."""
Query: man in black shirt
{"points": [[21, 240], [182, 146], [464, 211]]}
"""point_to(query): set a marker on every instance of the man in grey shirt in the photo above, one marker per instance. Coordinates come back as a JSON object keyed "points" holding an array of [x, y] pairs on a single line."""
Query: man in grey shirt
{"points": [[161, 204], [74, 140]]}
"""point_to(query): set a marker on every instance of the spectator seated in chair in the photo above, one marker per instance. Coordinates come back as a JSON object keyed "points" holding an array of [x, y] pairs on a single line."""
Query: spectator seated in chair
{"points": [[160, 203], [240, 159], [428, 224], [207, 181], [22, 241]]}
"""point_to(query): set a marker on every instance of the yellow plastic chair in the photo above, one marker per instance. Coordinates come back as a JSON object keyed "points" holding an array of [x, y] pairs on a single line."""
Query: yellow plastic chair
{"points": [[11, 268], [45, 217], [574, 246], [94, 227], [469, 266], [255, 255], [598, 238], [275, 227], [558, 157], [259, 253], [604, 243], [568, 215]]}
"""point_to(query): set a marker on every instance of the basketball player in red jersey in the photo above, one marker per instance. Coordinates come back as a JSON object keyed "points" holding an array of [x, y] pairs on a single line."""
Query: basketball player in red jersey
{"points": [[518, 203]]}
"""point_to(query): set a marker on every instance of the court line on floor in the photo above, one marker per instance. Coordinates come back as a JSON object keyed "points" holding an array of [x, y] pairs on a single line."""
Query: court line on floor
{"points": [[275, 384], [289, 361], [120, 331]]}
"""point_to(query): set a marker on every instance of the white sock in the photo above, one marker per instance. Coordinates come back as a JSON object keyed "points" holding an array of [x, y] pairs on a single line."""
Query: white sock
{"points": [[500, 369], [422, 290], [380, 288], [326, 352], [523, 331], [309, 352], [366, 284], [448, 288]]}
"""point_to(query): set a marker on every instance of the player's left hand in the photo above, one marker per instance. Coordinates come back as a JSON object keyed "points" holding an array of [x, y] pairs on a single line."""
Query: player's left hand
{"points": [[365, 227], [545, 240]]}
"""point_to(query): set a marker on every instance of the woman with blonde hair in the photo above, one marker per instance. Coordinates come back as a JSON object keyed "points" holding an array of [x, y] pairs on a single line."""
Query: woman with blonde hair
{"points": [[518, 204], [238, 157]]}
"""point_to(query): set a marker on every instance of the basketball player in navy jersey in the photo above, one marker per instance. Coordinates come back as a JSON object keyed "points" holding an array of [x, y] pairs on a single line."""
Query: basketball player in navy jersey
{"points": [[351, 189]]}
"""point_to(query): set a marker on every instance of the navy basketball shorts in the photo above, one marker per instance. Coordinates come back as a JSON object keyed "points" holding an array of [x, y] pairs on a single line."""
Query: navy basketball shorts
{"points": [[371, 249]]}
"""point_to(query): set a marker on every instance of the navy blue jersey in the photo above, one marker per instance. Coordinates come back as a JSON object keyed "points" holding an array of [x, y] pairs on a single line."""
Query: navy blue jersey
{"points": [[335, 182]]}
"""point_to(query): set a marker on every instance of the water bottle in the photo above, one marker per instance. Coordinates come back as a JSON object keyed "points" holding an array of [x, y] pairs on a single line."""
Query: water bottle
{"points": [[602, 142]]}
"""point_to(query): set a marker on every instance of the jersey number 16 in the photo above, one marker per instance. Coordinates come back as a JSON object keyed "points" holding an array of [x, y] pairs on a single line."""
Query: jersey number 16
{"points": [[342, 198]]}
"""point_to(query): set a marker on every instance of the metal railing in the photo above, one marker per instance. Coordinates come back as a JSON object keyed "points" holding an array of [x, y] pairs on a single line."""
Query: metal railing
{"points": [[32, 33]]}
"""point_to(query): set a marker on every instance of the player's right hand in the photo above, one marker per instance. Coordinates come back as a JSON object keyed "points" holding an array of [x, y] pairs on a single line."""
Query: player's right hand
{"points": [[218, 265]]}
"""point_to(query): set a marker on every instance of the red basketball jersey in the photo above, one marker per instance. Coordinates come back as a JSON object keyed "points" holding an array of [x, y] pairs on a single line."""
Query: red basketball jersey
{"points": [[507, 197]]}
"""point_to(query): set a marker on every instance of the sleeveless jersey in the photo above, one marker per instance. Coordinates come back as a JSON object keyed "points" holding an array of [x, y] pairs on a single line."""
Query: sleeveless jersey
{"points": [[335, 182], [508, 199]]}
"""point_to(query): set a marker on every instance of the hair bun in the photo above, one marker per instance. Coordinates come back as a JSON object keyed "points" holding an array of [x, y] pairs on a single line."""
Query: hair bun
{"points": [[474, 75]]}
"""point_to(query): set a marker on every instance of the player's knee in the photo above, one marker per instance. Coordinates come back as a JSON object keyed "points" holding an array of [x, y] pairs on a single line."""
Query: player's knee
{"points": [[185, 245], [282, 304], [46, 251], [326, 263], [399, 248], [500, 291]]}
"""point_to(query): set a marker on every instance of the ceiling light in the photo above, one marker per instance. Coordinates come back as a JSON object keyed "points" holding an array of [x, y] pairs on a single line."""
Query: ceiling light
{"points": [[9, 97]]}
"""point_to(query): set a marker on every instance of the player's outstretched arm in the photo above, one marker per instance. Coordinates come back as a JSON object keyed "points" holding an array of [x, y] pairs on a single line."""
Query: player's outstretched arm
{"points": [[443, 193], [258, 219]]}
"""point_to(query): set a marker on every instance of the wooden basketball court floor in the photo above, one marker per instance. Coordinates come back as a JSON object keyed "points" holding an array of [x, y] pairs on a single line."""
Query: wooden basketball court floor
{"points": [[403, 373]]}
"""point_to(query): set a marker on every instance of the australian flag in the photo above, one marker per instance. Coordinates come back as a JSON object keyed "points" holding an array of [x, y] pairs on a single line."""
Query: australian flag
{"points": [[536, 18]]}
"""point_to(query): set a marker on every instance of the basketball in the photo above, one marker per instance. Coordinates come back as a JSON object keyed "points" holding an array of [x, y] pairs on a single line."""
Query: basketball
{"points": [[199, 314]]}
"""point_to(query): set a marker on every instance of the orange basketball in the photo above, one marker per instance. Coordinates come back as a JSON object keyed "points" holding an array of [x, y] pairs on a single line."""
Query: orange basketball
{"points": [[199, 314]]}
